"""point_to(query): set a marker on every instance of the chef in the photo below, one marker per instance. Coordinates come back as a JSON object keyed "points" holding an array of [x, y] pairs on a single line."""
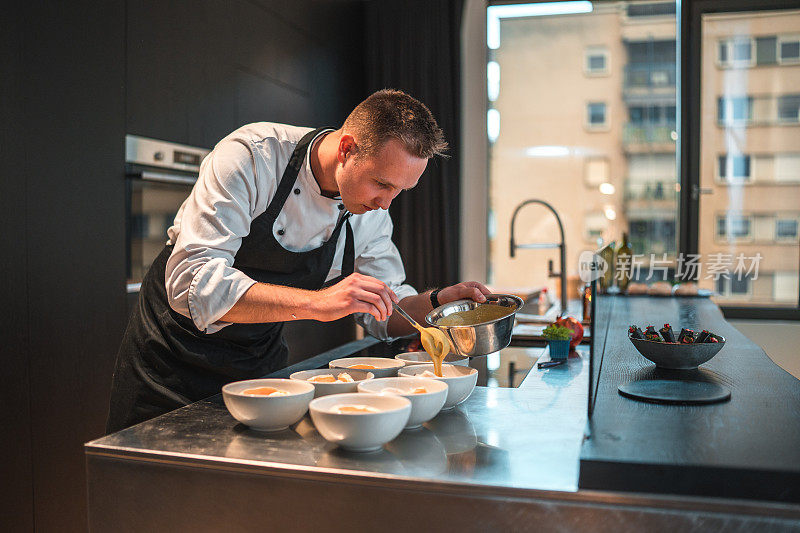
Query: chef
{"points": [[284, 223]]}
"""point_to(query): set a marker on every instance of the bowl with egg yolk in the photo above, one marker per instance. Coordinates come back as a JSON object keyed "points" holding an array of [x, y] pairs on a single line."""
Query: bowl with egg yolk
{"points": [[268, 404], [381, 367], [460, 380], [360, 422], [333, 380], [426, 395]]}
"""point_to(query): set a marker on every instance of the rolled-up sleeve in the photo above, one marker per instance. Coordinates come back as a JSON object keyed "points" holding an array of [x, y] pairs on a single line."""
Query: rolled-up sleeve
{"points": [[382, 260], [200, 280]]}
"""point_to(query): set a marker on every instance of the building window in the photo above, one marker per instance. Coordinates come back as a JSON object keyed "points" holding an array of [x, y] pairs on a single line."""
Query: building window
{"points": [[734, 168], [789, 49], [785, 287], [734, 110], [735, 52], [596, 61], [652, 115], [651, 9], [596, 115], [786, 229], [766, 50], [734, 227], [596, 172], [787, 168], [733, 286], [789, 108], [594, 224]]}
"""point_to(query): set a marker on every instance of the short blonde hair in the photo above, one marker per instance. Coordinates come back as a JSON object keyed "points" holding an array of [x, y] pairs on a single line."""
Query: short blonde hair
{"points": [[390, 113]]}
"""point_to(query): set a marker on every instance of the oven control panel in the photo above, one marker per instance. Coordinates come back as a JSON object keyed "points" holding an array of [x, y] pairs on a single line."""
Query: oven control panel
{"points": [[164, 154]]}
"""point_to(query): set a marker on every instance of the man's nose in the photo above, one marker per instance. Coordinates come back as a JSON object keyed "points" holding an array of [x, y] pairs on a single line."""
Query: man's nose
{"points": [[385, 200]]}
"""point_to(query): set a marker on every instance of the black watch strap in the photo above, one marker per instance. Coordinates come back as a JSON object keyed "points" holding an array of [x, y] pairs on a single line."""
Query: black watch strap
{"points": [[435, 298]]}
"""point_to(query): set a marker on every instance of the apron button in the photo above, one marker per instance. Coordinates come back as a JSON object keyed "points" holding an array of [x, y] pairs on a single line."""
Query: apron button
{"points": [[281, 232], [297, 191], [341, 207]]}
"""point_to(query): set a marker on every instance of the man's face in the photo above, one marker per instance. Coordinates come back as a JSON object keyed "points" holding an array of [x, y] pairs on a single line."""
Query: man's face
{"points": [[372, 182]]}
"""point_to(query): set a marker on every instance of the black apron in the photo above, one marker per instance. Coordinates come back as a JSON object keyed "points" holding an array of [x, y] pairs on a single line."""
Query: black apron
{"points": [[165, 362]]}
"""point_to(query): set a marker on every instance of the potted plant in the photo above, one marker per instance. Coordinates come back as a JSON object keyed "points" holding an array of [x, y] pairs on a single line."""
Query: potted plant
{"points": [[558, 339]]}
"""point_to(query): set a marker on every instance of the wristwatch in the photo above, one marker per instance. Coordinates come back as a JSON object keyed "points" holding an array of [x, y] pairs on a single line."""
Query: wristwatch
{"points": [[435, 298]]}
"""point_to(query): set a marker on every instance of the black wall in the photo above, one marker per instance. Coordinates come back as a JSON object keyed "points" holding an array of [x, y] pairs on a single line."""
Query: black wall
{"points": [[197, 70], [76, 77]]}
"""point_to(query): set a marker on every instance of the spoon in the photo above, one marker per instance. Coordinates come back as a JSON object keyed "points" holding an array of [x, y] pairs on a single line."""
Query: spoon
{"points": [[433, 340]]}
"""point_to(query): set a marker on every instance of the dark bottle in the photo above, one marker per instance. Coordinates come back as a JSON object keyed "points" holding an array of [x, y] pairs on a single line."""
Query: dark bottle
{"points": [[624, 263]]}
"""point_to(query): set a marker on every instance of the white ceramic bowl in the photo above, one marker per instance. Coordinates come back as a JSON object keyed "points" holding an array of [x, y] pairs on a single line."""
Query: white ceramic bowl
{"points": [[384, 368], [268, 413], [337, 387], [460, 380], [422, 358], [424, 406], [360, 432]]}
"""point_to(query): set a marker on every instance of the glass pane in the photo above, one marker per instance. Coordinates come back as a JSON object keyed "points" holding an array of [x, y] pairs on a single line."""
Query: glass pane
{"points": [[599, 149], [153, 209], [750, 159], [597, 62], [790, 50]]}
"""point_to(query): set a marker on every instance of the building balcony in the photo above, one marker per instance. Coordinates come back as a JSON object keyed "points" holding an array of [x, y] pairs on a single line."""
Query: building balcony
{"points": [[650, 76], [648, 137]]}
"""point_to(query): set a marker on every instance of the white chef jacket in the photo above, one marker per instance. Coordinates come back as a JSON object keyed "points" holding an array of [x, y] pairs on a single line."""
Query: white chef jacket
{"points": [[237, 181]]}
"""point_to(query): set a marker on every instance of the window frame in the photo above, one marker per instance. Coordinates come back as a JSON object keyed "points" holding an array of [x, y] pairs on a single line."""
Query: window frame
{"points": [[728, 293], [590, 51], [782, 121], [784, 218], [605, 126], [690, 56], [725, 238], [729, 178], [789, 37], [729, 45]]}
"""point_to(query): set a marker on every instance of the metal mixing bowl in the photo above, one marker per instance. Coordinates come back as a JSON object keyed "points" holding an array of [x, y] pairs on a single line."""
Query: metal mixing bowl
{"points": [[478, 339], [678, 356]]}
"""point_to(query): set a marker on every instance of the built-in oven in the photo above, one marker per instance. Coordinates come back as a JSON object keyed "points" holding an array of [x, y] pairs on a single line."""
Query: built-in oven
{"points": [[159, 177]]}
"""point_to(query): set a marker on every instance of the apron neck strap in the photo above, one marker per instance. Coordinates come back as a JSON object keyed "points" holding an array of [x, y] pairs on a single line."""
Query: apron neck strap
{"points": [[290, 173]]}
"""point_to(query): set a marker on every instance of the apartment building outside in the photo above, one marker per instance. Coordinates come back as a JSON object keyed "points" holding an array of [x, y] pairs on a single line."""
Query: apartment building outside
{"points": [[604, 154]]}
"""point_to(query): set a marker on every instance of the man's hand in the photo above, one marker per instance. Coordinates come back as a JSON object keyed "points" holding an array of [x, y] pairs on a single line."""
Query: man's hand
{"points": [[468, 289], [356, 293]]}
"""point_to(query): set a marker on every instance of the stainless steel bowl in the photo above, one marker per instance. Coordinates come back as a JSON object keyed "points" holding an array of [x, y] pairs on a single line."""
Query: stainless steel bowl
{"points": [[678, 356], [478, 339]]}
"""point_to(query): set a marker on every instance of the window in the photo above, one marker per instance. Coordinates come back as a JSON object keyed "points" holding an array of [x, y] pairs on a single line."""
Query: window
{"points": [[594, 224], [766, 50], [596, 61], [734, 286], [734, 168], [596, 172], [789, 49], [785, 287], [787, 168], [789, 108], [732, 110], [651, 9], [786, 229], [596, 115], [734, 227], [653, 115], [735, 52]]}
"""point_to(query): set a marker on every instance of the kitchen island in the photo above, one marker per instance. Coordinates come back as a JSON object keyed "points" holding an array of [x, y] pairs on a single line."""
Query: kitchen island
{"points": [[506, 459]]}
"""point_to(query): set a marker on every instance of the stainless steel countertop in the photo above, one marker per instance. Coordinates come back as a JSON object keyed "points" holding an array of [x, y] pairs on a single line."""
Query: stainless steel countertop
{"points": [[523, 438]]}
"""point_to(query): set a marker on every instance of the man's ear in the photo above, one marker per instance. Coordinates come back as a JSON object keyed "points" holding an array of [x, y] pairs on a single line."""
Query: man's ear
{"points": [[347, 147]]}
